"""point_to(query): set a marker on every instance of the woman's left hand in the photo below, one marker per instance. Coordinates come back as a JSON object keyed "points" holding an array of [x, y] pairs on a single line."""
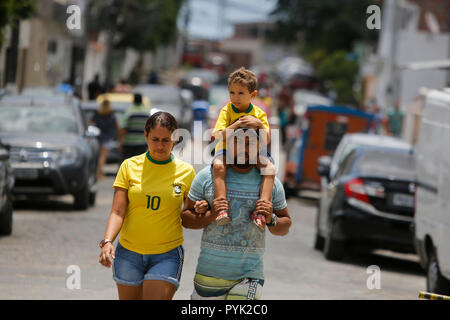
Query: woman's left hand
{"points": [[107, 255]]}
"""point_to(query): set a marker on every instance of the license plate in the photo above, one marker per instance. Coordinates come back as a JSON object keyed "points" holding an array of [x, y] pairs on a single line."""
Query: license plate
{"points": [[26, 174], [403, 200]]}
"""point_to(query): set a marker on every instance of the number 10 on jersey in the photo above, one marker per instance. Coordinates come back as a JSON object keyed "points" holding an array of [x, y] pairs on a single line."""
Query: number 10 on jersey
{"points": [[153, 202]]}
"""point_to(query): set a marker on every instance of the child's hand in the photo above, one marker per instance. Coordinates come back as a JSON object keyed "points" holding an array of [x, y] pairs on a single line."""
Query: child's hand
{"points": [[201, 206], [250, 122]]}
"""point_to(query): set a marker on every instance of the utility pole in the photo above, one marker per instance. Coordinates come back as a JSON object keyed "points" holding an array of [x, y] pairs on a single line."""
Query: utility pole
{"points": [[112, 21], [221, 17], [182, 45]]}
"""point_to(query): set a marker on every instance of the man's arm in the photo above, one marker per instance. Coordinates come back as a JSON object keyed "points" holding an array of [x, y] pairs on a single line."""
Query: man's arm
{"points": [[283, 223], [192, 220]]}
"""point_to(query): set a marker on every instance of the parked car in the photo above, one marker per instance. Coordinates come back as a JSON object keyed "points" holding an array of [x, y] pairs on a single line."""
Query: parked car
{"points": [[6, 186], [199, 82], [124, 99], [352, 140], [52, 149], [432, 218], [369, 201], [171, 99]]}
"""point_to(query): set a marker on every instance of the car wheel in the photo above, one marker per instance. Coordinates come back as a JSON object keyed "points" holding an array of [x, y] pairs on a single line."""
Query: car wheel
{"points": [[333, 249], [319, 241], [81, 199], [436, 283], [6, 218], [92, 198]]}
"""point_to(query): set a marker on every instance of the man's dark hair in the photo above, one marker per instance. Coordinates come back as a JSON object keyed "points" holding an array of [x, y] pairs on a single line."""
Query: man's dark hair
{"points": [[137, 99]]}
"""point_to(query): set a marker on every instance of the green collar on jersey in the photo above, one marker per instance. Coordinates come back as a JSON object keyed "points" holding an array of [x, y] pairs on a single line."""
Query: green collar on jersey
{"points": [[246, 111], [159, 162]]}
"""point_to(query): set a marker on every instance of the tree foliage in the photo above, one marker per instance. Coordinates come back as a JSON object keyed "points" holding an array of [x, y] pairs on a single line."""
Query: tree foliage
{"points": [[11, 11], [338, 71], [328, 25], [326, 31], [139, 24]]}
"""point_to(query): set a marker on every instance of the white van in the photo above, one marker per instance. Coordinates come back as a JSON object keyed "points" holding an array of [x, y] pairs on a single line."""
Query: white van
{"points": [[432, 216]]}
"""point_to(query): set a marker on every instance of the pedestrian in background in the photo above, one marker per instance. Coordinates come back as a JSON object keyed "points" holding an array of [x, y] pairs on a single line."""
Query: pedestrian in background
{"points": [[285, 110], [132, 138], [395, 120], [378, 119], [106, 121], [94, 88], [148, 194]]}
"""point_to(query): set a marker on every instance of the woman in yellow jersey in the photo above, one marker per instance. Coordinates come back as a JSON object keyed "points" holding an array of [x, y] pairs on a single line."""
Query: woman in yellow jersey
{"points": [[148, 193]]}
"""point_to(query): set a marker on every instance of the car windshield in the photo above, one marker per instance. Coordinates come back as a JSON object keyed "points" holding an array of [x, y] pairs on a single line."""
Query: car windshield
{"points": [[160, 94], [387, 163], [119, 113], [166, 98], [37, 119]]}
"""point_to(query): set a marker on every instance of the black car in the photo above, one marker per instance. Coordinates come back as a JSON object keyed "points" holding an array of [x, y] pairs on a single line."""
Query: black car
{"points": [[52, 150], [369, 202], [6, 186]]}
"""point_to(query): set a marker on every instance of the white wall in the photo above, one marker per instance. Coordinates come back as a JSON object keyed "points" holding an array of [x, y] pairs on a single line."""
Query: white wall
{"points": [[416, 47]]}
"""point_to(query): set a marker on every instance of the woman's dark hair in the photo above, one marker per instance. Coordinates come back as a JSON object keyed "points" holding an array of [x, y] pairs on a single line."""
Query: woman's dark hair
{"points": [[163, 119]]}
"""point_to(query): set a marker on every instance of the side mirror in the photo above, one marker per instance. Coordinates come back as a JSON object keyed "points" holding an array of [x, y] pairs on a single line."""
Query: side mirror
{"points": [[92, 132], [323, 168]]}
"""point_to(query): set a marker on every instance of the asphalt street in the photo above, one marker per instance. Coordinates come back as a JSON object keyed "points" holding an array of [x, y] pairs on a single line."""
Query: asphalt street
{"points": [[49, 238]]}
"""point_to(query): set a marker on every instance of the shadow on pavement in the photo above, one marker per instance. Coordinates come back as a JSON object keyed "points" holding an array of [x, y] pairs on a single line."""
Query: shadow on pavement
{"points": [[44, 204], [399, 263]]}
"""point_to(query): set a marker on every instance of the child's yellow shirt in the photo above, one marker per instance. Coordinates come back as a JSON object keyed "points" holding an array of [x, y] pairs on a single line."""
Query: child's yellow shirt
{"points": [[230, 114]]}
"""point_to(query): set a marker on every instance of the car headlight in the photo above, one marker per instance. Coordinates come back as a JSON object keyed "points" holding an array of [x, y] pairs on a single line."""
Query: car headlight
{"points": [[69, 156]]}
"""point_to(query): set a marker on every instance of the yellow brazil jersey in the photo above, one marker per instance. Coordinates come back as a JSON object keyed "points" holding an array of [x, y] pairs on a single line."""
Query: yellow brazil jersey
{"points": [[229, 114], [156, 190]]}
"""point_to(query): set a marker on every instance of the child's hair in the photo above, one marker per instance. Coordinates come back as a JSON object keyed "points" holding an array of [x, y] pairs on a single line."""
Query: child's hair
{"points": [[244, 77]]}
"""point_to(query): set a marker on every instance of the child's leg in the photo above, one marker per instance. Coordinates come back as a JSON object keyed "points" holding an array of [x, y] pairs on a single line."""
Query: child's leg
{"points": [[268, 171], [220, 189], [266, 188], [219, 173]]}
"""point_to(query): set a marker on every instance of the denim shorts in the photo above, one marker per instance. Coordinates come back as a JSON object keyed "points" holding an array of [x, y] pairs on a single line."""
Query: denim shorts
{"points": [[132, 269]]}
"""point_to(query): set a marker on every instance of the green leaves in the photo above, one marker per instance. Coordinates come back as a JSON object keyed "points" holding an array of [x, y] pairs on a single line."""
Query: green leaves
{"points": [[138, 24], [326, 31], [323, 24], [12, 11]]}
